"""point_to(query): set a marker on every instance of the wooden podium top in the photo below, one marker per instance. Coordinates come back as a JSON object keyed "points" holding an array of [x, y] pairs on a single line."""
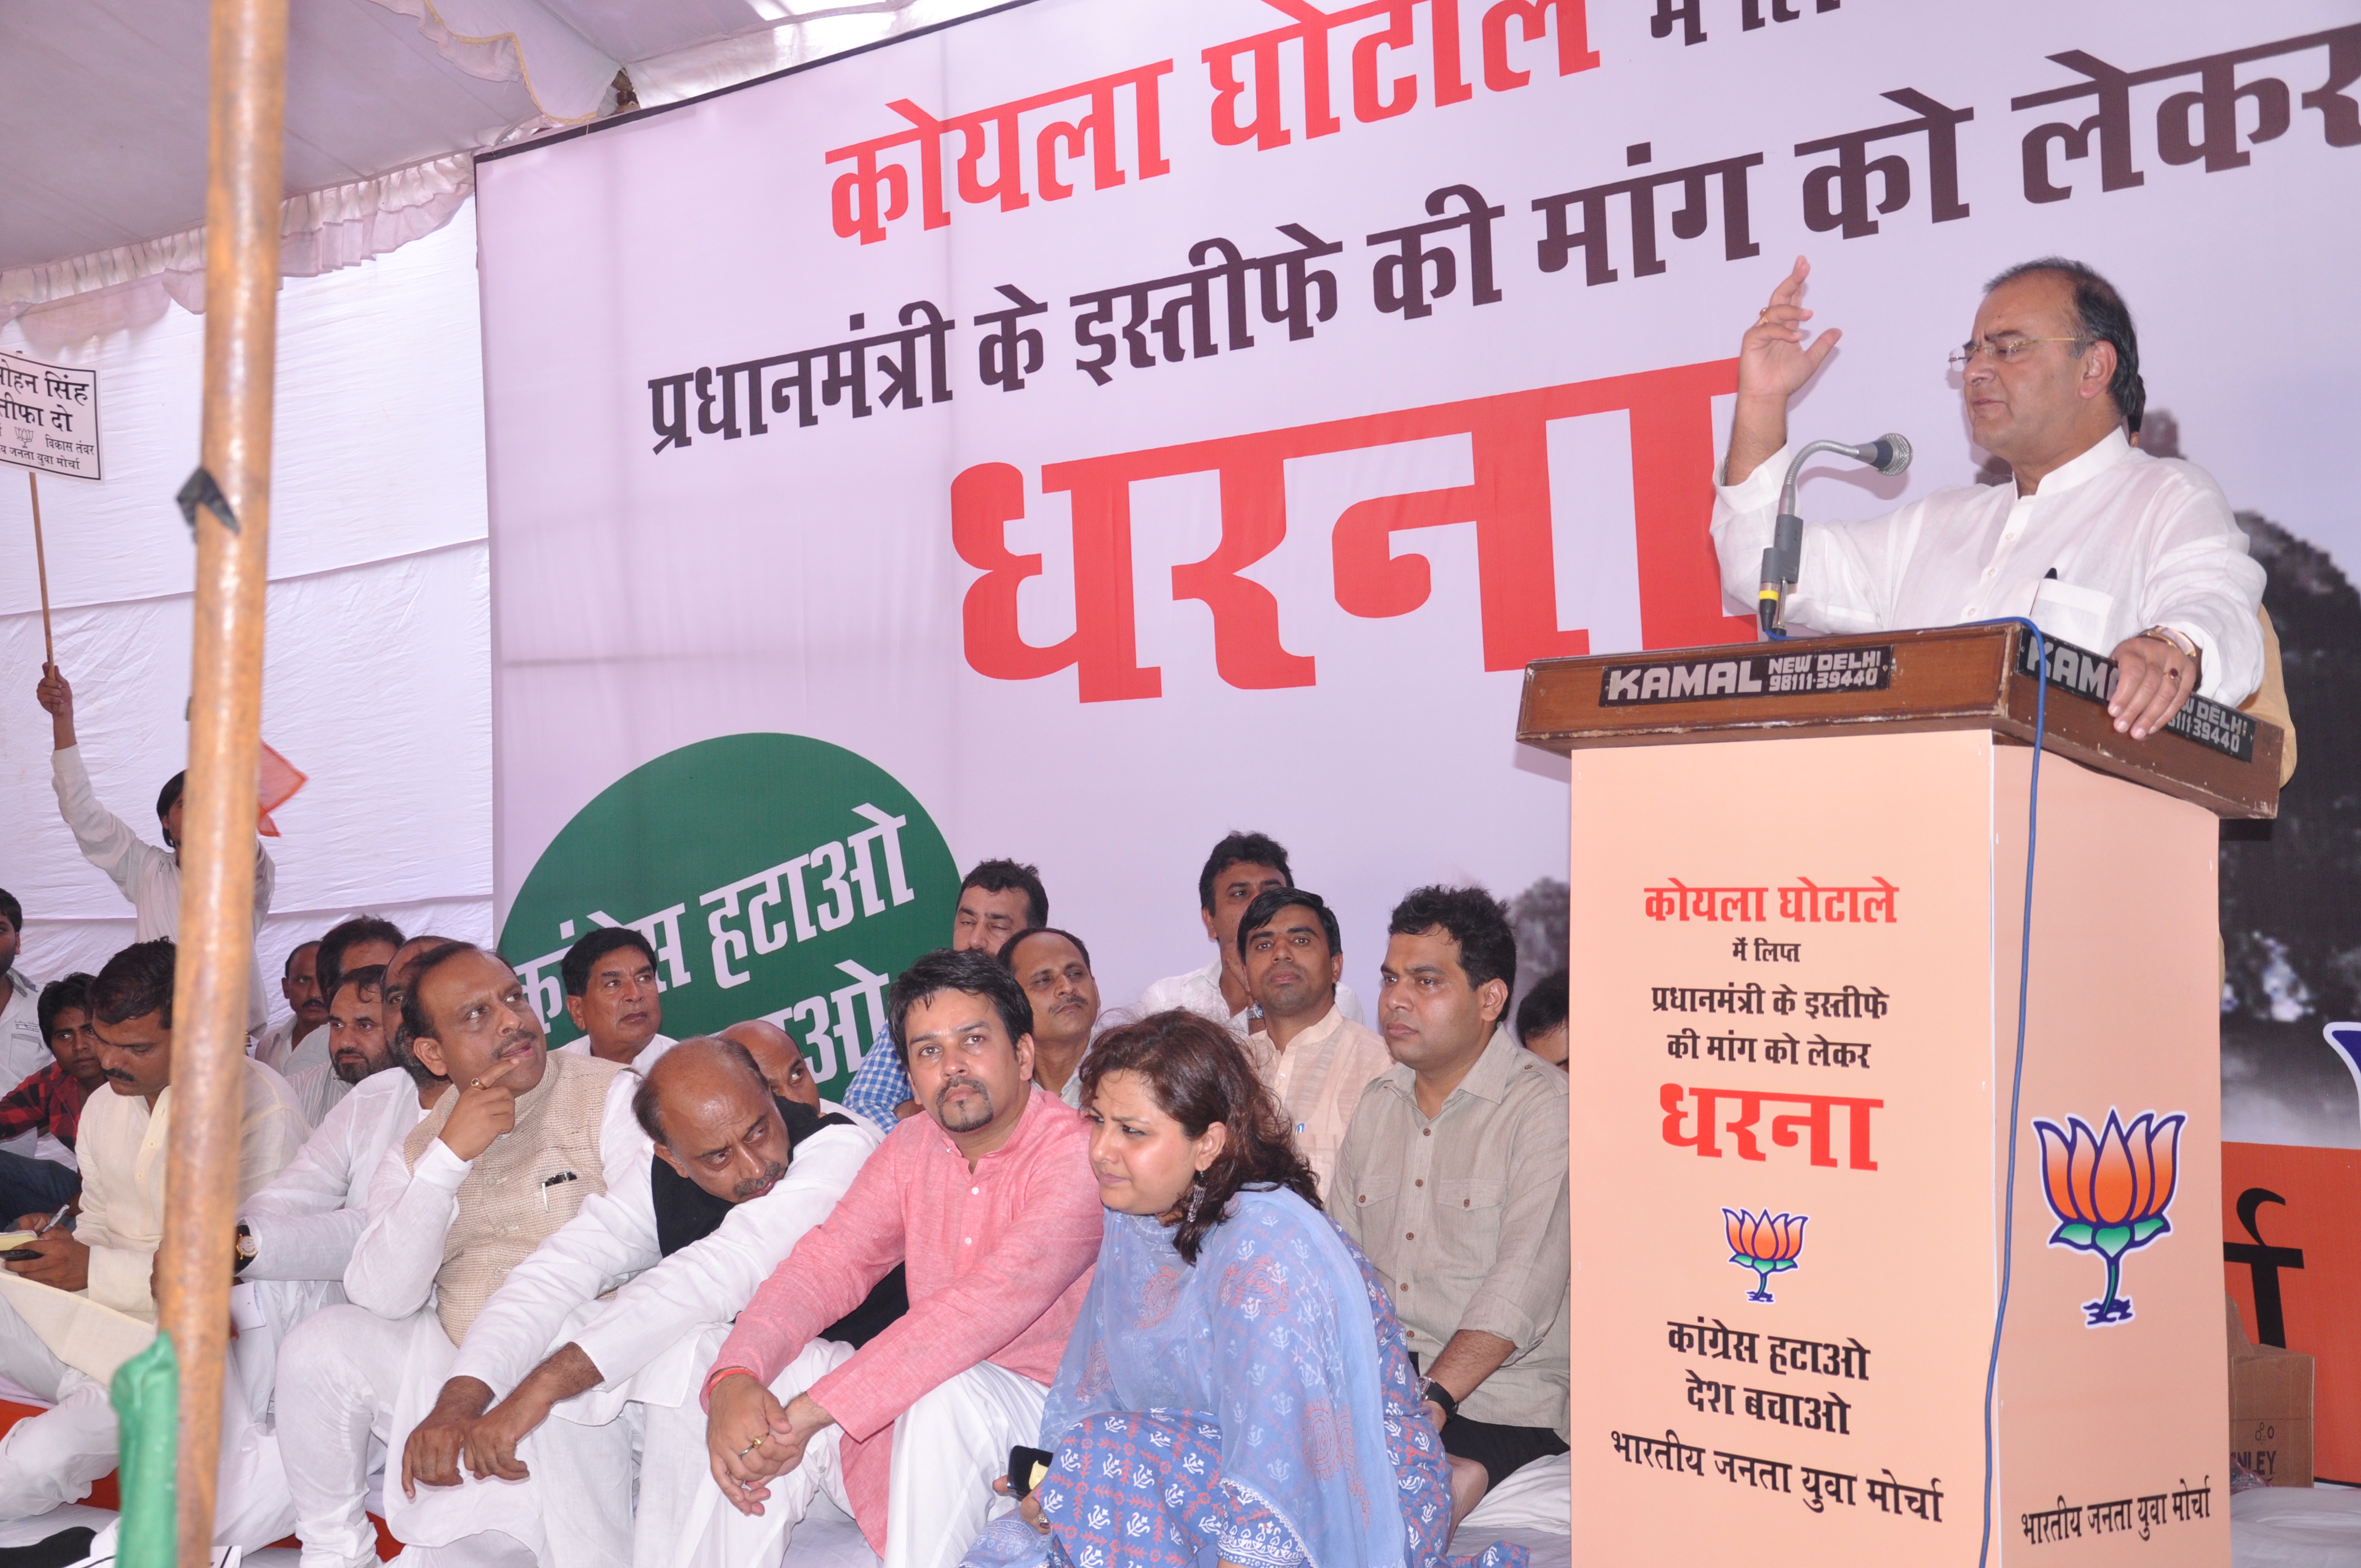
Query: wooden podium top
{"points": [[1964, 678]]}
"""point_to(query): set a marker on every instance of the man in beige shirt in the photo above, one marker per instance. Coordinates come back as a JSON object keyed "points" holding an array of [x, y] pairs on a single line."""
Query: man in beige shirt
{"points": [[1314, 1060], [1453, 1180]]}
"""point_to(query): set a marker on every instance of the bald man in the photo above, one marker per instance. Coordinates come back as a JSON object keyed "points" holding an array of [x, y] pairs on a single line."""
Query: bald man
{"points": [[739, 1174], [784, 1066]]}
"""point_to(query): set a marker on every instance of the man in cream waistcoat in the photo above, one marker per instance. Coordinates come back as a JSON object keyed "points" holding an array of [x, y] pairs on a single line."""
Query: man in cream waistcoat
{"points": [[507, 1157]]}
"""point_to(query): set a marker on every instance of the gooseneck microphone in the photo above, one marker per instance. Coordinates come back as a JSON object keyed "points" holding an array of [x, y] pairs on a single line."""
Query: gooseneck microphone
{"points": [[1783, 564]]}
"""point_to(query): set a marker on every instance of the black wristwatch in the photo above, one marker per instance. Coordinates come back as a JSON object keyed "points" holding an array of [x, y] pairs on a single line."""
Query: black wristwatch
{"points": [[246, 1250], [1438, 1393]]}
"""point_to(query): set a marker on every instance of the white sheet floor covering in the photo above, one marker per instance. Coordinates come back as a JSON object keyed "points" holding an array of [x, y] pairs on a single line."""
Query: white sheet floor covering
{"points": [[1519, 1512], [2281, 1527]]}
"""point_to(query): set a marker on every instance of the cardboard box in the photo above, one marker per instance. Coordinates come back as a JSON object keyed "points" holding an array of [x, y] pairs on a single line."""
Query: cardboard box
{"points": [[2271, 1396]]}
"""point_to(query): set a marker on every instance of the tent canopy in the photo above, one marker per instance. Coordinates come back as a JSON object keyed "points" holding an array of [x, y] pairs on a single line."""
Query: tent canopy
{"points": [[109, 99]]}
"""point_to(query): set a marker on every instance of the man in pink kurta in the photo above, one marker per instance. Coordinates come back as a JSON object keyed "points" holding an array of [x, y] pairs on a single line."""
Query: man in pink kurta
{"points": [[989, 1201]]}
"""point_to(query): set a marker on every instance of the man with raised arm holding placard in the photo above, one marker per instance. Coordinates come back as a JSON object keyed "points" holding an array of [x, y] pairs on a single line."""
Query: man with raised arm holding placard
{"points": [[2139, 553], [148, 877]]}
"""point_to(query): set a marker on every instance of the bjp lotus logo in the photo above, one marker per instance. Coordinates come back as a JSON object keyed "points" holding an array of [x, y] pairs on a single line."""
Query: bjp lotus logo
{"points": [[1766, 1242], [2109, 1189]]}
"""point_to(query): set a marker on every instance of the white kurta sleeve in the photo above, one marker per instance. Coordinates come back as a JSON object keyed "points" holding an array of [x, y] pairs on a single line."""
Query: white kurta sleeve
{"points": [[1849, 570], [106, 839], [708, 1281], [2202, 581], [266, 882], [410, 1213], [611, 1238], [306, 1221]]}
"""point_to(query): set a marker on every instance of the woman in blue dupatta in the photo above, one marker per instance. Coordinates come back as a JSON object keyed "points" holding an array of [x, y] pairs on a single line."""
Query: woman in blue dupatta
{"points": [[1237, 1390]]}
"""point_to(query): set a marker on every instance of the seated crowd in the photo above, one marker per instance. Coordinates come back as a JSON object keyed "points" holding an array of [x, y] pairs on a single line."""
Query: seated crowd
{"points": [[1265, 1285]]}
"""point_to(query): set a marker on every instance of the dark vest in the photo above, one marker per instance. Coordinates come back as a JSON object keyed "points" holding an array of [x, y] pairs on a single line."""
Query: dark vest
{"points": [[686, 1214]]}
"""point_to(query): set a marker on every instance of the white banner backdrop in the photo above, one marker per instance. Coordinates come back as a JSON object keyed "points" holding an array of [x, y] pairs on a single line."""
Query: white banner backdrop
{"points": [[375, 680], [1380, 350]]}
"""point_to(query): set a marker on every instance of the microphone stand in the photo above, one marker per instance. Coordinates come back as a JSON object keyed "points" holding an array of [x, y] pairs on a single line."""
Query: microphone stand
{"points": [[1783, 564]]}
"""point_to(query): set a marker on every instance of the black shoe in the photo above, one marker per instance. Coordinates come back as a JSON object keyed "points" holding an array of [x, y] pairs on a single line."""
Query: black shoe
{"points": [[68, 1546]]}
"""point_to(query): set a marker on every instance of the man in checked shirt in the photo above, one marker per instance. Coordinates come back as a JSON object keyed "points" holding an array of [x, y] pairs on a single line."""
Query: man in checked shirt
{"points": [[48, 1105]]}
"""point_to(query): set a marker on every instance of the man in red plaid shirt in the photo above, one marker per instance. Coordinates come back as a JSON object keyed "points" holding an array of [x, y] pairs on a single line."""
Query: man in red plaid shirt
{"points": [[49, 1106]]}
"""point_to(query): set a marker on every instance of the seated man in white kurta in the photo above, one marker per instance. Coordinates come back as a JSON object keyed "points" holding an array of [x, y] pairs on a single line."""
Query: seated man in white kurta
{"points": [[2051, 376], [738, 1177], [109, 1255], [295, 1237], [507, 1156]]}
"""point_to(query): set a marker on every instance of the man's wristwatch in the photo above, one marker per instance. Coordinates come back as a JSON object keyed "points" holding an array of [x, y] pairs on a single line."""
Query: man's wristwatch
{"points": [[246, 1250], [2181, 639], [1436, 1393]]}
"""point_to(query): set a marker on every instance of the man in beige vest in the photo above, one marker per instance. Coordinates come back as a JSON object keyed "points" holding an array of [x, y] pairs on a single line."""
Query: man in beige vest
{"points": [[517, 1144]]}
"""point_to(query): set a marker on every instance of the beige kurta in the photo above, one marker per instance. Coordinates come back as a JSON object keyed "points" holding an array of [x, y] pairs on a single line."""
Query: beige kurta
{"points": [[121, 1144], [121, 1147], [1318, 1080]]}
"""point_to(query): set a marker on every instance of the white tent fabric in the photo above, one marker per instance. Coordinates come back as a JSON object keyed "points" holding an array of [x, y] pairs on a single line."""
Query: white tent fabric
{"points": [[518, 40], [63, 303], [387, 100], [376, 682]]}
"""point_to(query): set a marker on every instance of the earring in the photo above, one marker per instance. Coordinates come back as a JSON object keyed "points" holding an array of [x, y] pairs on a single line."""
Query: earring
{"points": [[1196, 1197]]}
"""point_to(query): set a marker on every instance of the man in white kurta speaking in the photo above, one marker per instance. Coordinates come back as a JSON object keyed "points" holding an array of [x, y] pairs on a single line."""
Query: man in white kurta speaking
{"points": [[738, 1177], [509, 1155], [2145, 548], [109, 1257]]}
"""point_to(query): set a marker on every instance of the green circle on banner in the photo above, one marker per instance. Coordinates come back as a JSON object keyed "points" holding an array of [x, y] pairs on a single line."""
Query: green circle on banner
{"points": [[776, 876]]}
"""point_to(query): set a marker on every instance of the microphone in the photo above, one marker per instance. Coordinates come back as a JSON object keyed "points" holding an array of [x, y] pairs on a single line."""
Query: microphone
{"points": [[1783, 564]]}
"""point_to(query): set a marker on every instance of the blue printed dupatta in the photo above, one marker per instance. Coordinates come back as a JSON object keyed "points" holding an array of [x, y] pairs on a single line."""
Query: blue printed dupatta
{"points": [[1257, 1409]]}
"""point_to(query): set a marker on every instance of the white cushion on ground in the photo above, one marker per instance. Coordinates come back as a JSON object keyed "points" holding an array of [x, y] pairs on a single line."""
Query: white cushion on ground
{"points": [[2296, 1526], [1539, 1497], [828, 1539]]}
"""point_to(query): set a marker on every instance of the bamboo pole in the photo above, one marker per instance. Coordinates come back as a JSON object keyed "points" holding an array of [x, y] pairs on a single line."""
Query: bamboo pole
{"points": [[42, 564], [216, 939]]}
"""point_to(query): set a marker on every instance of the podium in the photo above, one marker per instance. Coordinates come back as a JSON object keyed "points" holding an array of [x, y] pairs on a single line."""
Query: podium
{"points": [[1798, 879]]}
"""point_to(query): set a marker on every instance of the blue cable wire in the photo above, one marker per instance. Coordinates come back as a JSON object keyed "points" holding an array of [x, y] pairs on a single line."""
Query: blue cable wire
{"points": [[2016, 1078]]}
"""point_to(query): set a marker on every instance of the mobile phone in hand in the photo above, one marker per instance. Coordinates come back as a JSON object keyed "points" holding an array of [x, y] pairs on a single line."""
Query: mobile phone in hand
{"points": [[1025, 1468]]}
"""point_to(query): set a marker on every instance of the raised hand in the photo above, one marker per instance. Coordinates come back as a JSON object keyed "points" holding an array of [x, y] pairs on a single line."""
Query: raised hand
{"points": [[56, 697], [486, 1110], [1773, 364]]}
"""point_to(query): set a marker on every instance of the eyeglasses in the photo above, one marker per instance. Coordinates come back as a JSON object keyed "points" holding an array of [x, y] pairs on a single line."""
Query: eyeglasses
{"points": [[2008, 351]]}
